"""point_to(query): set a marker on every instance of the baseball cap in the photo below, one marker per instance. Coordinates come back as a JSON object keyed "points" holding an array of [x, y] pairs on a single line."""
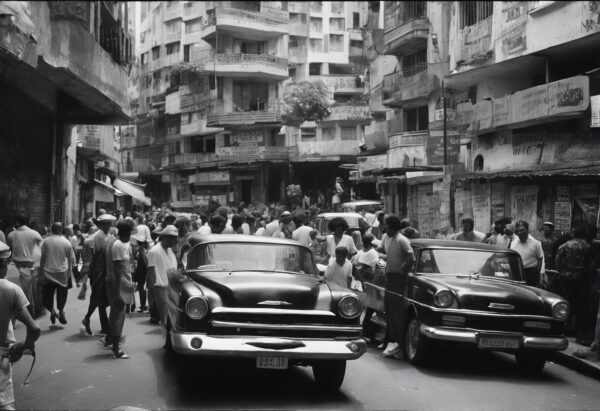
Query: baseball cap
{"points": [[106, 217], [169, 230]]}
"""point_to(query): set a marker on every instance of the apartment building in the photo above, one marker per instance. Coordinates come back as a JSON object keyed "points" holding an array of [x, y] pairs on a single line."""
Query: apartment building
{"points": [[49, 87], [524, 75], [326, 44]]}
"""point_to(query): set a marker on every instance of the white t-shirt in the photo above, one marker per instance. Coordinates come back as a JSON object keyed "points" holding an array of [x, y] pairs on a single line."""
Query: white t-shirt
{"points": [[338, 275], [369, 258], [260, 231], [121, 251], [205, 229], [345, 241], [531, 250], [302, 235], [162, 260]]}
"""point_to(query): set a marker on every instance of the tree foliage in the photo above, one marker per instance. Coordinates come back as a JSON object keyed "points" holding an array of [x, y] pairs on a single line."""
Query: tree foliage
{"points": [[308, 100]]}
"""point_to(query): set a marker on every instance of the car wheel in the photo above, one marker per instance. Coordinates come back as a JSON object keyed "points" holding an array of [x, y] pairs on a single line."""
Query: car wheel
{"points": [[329, 375], [416, 344], [530, 362]]}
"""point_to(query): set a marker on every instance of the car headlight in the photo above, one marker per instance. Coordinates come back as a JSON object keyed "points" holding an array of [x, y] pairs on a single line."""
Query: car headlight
{"points": [[349, 306], [560, 311], [444, 299], [196, 307]]}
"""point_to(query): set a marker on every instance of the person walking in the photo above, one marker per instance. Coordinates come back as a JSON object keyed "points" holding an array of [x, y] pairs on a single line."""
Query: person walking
{"points": [[97, 273], [57, 261], [400, 258], [162, 264], [22, 242], [13, 304], [119, 285], [531, 253], [338, 192]]}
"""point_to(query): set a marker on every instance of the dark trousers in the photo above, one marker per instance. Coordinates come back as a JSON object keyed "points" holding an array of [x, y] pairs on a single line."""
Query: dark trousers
{"points": [[116, 320], [101, 313], [48, 292], [532, 276], [395, 311]]}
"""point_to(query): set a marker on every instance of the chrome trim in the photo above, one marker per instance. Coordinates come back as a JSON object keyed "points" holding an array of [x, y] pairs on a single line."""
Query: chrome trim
{"points": [[500, 306], [468, 335], [273, 302], [227, 324], [240, 347], [231, 310]]}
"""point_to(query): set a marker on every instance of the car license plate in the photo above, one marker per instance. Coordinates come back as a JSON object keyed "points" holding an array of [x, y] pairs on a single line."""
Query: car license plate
{"points": [[498, 343], [273, 363]]}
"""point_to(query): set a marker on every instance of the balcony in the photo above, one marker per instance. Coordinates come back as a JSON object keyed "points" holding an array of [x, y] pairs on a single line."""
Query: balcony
{"points": [[326, 150], [173, 37], [404, 36], [174, 10], [243, 65], [298, 28], [410, 87], [343, 84], [475, 44], [267, 23], [254, 153], [187, 160], [298, 7], [349, 113], [267, 114], [192, 10]]}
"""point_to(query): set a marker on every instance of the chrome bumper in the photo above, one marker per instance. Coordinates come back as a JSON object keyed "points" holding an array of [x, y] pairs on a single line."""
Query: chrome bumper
{"points": [[470, 336], [252, 347]]}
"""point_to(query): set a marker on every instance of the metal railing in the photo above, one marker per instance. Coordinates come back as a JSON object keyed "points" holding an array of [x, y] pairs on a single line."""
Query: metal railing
{"points": [[404, 13], [256, 112], [393, 82], [266, 15], [209, 57]]}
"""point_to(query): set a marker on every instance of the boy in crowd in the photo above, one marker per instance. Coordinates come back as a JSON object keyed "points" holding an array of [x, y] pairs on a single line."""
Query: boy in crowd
{"points": [[339, 271]]}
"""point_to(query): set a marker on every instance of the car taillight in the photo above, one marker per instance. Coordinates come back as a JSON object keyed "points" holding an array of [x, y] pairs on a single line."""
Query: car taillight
{"points": [[196, 308], [349, 306]]}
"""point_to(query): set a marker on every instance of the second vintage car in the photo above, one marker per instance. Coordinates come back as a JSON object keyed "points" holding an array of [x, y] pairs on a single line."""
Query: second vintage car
{"points": [[260, 298], [474, 294]]}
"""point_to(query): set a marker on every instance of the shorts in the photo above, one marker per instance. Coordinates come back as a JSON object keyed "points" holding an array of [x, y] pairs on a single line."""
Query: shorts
{"points": [[6, 385]]}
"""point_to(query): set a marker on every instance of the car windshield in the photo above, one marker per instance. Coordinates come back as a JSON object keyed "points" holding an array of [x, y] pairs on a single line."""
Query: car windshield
{"points": [[252, 257], [470, 262]]}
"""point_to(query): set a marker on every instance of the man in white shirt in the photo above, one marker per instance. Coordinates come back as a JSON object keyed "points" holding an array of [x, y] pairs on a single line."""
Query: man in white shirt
{"points": [[531, 253], [162, 263], [339, 271], [302, 233], [143, 231], [468, 234], [22, 242]]}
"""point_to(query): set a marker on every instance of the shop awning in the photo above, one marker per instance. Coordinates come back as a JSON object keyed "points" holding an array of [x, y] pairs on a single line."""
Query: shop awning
{"points": [[423, 177], [136, 191], [591, 171], [110, 188], [398, 171]]}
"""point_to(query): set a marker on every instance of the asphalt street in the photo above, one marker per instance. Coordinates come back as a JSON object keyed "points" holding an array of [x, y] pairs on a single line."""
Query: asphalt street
{"points": [[74, 372]]}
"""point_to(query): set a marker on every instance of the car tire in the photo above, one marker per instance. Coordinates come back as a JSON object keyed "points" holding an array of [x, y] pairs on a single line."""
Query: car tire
{"points": [[329, 375], [530, 362], [417, 346]]}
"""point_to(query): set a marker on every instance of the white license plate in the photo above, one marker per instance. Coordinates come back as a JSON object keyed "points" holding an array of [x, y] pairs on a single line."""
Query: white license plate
{"points": [[272, 363], [498, 343]]}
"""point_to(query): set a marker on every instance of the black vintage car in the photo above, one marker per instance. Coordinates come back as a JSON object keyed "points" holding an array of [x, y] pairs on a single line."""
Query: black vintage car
{"points": [[470, 293], [260, 298]]}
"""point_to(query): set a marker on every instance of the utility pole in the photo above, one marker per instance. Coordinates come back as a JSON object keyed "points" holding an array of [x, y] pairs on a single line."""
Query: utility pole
{"points": [[445, 124]]}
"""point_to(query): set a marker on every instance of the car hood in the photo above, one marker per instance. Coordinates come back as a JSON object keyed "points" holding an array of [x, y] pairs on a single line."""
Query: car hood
{"points": [[495, 296], [262, 289]]}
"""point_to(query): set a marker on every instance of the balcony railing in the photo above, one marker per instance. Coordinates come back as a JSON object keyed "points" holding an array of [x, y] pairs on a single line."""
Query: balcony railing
{"points": [[298, 28], [404, 13], [172, 37], [269, 112], [411, 84], [393, 82], [187, 159], [266, 15], [174, 10], [407, 35], [341, 83], [208, 60]]}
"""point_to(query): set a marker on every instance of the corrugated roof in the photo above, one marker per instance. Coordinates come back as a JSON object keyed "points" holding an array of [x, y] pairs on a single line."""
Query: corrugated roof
{"points": [[591, 171]]}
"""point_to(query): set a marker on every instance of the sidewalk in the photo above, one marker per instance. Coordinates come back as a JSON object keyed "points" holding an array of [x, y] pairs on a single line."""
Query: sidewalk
{"points": [[589, 366]]}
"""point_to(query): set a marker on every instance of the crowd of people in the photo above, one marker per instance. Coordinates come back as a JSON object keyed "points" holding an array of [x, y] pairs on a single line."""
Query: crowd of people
{"points": [[116, 257]]}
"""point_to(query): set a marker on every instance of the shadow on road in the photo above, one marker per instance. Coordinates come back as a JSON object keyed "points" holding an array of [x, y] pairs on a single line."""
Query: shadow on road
{"points": [[241, 384]]}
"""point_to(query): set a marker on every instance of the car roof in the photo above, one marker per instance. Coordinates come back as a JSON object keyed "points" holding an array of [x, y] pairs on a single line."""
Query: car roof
{"points": [[198, 238], [333, 215], [362, 202], [454, 244]]}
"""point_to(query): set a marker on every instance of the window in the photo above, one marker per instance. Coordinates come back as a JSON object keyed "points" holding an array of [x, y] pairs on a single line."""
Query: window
{"points": [[316, 45], [292, 72], [328, 133], [202, 144], [155, 53], [478, 163], [172, 27], [316, 6], [316, 24], [193, 26], [251, 47], [250, 96], [172, 48], [314, 69], [186, 52], [472, 12], [297, 18], [355, 20], [337, 24], [414, 63], [349, 133], [276, 139], [336, 42], [293, 42], [308, 134], [416, 119]]}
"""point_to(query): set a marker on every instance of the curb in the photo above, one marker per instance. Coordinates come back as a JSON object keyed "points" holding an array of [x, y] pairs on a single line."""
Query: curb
{"points": [[577, 364]]}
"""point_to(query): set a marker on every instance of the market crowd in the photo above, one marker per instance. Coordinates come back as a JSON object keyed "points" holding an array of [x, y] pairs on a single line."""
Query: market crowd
{"points": [[122, 263]]}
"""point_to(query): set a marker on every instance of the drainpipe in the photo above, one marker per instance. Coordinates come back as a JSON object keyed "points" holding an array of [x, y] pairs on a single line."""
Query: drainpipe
{"points": [[445, 124], [53, 170]]}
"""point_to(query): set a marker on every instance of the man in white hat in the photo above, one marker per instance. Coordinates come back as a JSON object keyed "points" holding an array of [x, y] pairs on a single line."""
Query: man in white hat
{"points": [[13, 303], [162, 263], [97, 272]]}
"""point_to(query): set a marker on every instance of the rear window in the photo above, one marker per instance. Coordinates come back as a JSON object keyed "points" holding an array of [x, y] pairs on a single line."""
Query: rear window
{"points": [[470, 262]]}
